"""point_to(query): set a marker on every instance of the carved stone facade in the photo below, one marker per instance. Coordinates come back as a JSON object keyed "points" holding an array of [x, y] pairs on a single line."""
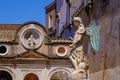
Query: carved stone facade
{"points": [[37, 71], [36, 57]]}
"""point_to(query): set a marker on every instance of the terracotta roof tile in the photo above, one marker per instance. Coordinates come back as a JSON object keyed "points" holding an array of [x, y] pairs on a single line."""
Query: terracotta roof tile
{"points": [[59, 40], [7, 32]]}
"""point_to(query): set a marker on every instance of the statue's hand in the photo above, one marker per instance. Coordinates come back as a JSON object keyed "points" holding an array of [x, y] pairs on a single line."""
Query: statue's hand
{"points": [[71, 45]]}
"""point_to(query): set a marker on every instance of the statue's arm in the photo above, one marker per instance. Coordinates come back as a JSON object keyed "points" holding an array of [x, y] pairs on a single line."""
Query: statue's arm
{"points": [[77, 38]]}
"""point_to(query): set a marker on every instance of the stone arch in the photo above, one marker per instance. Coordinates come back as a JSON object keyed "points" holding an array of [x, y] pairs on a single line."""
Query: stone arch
{"points": [[52, 71], [8, 71], [31, 76]]}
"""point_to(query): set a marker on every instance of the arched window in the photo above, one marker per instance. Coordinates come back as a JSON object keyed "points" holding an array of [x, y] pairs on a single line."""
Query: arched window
{"points": [[5, 75], [31, 76], [59, 75], [31, 37]]}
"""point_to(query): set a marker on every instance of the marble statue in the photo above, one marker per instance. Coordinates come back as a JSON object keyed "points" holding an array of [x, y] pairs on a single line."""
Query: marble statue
{"points": [[31, 41], [77, 56]]}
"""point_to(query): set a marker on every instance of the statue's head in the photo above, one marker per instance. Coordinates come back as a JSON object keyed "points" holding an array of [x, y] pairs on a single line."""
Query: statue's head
{"points": [[31, 36], [77, 21]]}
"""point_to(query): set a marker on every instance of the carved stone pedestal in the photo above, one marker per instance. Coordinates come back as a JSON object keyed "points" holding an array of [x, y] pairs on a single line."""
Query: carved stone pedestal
{"points": [[79, 76]]}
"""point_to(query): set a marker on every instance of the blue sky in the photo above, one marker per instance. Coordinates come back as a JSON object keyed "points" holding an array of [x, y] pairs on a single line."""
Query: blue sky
{"points": [[21, 11]]}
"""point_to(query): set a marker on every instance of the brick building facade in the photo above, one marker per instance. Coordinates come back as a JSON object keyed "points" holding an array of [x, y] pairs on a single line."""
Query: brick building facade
{"points": [[104, 64]]}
